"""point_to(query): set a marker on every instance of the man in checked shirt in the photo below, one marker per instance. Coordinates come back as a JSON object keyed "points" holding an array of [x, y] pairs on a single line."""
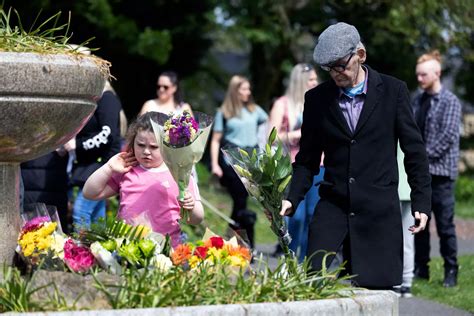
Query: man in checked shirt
{"points": [[438, 115]]}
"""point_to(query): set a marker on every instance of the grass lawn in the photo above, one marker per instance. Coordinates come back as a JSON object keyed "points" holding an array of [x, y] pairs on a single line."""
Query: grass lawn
{"points": [[461, 296], [465, 209]]}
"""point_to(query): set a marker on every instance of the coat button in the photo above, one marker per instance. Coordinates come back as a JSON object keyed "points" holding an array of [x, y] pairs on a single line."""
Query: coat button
{"points": [[353, 142], [351, 214], [352, 180]]}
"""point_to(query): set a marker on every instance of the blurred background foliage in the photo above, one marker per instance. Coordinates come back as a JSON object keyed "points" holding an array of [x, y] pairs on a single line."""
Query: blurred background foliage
{"points": [[206, 41]]}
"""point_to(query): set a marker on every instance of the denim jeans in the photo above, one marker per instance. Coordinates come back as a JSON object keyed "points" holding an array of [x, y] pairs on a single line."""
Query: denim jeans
{"points": [[298, 225], [86, 211]]}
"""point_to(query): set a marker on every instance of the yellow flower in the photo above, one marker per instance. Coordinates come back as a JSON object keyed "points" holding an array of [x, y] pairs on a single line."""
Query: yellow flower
{"points": [[194, 261], [47, 229], [238, 261], [215, 254]]}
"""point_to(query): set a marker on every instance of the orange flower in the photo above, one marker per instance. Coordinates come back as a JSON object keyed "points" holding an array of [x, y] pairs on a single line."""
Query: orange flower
{"points": [[181, 254], [238, 251]]}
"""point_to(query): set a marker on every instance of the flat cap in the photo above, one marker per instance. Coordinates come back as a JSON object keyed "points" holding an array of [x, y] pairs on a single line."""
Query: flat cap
{"points": [[335, 42]]}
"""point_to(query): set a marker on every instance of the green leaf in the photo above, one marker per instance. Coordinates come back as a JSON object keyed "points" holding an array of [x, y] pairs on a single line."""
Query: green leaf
{"points": [[272, 137], [284, 184]]}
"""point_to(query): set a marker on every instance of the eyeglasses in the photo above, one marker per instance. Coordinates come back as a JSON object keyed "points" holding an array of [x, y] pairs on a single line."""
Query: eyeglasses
{"points": [[159, 86], [337, 67]]}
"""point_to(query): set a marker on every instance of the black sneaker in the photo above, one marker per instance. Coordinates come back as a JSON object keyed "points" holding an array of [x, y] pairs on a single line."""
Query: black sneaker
{"points": [[397, 290], [422, 272], [405, 291], [450, 278]]}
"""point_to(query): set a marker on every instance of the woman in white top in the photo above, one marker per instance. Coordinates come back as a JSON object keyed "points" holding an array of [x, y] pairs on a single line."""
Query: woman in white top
{"points": [[168, 96]]}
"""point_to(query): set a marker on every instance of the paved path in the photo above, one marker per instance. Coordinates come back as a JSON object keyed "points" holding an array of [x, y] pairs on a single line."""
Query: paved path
{"points": [[417, 306]]}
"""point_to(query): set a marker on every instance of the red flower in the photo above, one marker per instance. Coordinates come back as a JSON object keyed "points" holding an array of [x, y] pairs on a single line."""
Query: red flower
{"points": [[201, 252], [217, 242]]}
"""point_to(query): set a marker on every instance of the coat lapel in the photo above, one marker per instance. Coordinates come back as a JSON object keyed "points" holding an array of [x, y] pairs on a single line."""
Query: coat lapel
{"points": [[336, 110], [374, 92]]}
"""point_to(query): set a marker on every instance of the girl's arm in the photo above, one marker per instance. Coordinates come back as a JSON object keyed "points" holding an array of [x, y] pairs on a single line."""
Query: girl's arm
{"points": [[276, 118], [96, 187]]}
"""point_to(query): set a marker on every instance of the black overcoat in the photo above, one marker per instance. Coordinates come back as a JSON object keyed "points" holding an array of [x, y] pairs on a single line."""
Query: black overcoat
{"points": [[359, 193]]}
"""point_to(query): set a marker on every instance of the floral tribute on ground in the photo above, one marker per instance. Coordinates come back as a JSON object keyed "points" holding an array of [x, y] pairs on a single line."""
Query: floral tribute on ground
{"points": [[114, 246], [212, 250], [182, 139]]}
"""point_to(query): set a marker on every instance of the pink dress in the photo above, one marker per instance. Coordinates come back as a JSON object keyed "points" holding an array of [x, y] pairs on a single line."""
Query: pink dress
{"points": [[152, 195]]}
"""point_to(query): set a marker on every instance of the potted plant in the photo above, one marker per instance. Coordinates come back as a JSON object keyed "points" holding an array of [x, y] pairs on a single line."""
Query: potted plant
{"points": [[48, 91]]}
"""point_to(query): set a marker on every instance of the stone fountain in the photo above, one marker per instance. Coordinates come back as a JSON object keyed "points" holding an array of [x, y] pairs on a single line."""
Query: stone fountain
{"points": [[44, 101]]}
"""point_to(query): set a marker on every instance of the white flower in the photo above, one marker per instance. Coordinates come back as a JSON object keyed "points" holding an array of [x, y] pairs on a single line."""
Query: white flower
{"points": [[105, 258], [57, 245], [162, 262]]}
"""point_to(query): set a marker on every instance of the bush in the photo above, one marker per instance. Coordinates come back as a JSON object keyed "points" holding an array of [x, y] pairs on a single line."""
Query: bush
{"points": [[464, 190]]}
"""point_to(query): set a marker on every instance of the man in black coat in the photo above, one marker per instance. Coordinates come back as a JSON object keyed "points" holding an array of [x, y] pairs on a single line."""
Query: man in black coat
{"points": [[356, 119]]}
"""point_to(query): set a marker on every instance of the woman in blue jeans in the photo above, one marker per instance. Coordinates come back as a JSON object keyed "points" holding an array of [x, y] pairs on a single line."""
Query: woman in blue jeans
{"points": [[299, 223], [286, 116]]}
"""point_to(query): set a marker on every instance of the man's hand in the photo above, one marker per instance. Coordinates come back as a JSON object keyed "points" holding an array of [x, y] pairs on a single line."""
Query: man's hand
{"points": [[420, 223], [286, 208]]}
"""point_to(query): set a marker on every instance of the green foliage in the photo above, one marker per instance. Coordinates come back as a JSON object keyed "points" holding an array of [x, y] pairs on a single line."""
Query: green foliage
{"points": [[109, 229], [16, 292], [148, 288], [459, 296], [38, 39], [464, 190]]}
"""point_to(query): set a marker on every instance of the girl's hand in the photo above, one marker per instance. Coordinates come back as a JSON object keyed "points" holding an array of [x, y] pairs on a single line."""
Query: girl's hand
{"points": [[188, 202], [122, 162]]}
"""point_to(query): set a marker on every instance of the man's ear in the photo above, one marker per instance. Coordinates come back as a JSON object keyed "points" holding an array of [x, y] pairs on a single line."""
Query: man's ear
{"points": [[362, 55]]}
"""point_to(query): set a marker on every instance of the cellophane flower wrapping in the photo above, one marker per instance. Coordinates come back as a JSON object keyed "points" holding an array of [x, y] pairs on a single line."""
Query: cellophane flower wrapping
{"points": [[182, 139], [41, 241], [211, 251], [265, 173]]}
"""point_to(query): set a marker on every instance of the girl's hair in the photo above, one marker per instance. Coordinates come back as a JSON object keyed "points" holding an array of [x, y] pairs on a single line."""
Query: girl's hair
{"points": [[232, 104], [173, 77], [297, 86], [142, 123]]}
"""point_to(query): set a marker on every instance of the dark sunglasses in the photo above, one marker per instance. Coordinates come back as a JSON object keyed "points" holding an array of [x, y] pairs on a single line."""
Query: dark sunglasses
{"points": [[159, 86], [337, 67]]}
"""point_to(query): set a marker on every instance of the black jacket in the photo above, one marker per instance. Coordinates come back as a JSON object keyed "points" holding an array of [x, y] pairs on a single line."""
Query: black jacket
{"points": [[45, 180], [99, 140], [359, 193]]}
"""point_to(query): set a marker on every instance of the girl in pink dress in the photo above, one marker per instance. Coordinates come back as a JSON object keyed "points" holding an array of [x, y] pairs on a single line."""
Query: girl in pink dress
{"points": [[145, 185]]}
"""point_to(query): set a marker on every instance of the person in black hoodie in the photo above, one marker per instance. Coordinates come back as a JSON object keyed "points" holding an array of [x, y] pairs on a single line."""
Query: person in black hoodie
{"points": [[96, 143], [45, 181]]}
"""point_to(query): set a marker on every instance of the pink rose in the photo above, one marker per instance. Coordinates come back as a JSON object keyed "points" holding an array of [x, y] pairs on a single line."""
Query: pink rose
{"points": [[78, 258]]}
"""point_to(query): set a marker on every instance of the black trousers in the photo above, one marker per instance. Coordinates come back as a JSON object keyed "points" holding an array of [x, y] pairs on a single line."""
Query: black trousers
{"points": [[245, 218], [443, 210]]}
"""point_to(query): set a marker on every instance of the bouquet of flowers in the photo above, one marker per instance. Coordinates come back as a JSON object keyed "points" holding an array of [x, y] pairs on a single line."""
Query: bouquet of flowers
{"points": [[212, 250], [115, 243], [265, 174], [40, 240], [182, 139]]}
